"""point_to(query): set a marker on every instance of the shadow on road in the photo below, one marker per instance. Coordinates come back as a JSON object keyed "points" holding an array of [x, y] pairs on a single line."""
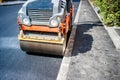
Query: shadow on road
{"points": [[83, 40], [44, 55]]}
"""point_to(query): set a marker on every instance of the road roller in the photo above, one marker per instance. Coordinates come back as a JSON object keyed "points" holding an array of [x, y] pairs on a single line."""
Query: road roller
{"points": [[45, 25]]}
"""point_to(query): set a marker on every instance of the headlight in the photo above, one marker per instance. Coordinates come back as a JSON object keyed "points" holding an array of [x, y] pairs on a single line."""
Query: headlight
{"points": [[26, 21], [58, 18], [54, 23]]}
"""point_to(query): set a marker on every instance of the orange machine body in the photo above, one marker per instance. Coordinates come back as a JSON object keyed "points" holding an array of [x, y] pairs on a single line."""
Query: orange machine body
{"points": [[63, 27]]}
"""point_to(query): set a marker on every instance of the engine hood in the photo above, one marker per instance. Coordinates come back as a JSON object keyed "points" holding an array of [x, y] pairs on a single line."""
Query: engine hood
{"points": [[41, 12], [40, 4]]}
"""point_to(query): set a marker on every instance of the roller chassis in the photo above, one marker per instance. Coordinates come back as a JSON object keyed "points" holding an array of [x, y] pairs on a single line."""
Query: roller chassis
{"points": [[45, 39]]}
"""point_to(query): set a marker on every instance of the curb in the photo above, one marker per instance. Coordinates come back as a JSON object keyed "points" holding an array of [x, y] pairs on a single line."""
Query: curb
{"points": [[110, 30], [64, 68], [12, 3], [77, 14], [114, 37]]}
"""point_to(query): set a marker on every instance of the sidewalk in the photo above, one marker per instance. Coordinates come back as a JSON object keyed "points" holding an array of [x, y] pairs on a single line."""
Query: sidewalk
{"points": [[94, 56], [114, 32]]}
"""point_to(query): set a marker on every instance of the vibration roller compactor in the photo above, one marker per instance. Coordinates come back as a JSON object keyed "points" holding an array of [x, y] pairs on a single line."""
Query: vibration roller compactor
{"points": [[44, 26]]}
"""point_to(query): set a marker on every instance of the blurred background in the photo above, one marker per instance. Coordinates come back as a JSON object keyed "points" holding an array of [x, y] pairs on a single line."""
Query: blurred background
{"points": [[11, 0]]}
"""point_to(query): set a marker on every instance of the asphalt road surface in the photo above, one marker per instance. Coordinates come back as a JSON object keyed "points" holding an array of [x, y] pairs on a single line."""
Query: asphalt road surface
{"points": [[16, 64]]}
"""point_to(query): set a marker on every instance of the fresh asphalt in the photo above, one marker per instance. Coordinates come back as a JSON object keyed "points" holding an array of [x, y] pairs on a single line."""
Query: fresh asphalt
{"points": [[16, 64]]}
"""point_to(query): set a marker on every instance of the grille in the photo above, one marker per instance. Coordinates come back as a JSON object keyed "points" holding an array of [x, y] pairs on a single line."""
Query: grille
{"points": [[39, 15]]}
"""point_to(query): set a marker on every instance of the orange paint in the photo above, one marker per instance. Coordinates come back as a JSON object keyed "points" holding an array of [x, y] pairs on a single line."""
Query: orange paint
{"points": [[39, 28]]}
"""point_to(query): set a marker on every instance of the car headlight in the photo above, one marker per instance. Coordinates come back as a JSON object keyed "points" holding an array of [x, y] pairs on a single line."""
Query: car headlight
{"points": [[26, 21], [54, 23]]}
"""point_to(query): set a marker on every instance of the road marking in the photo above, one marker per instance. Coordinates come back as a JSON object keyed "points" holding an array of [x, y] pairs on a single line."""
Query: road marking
{"points": [[64, 68]]}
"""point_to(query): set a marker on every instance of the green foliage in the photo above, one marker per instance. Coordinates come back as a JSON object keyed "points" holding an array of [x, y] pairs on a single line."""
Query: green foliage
{"points": [[109, 10]]}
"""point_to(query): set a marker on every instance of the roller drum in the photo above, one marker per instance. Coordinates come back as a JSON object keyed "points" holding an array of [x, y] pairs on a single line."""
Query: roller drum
{"points": [[41, 47]]}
